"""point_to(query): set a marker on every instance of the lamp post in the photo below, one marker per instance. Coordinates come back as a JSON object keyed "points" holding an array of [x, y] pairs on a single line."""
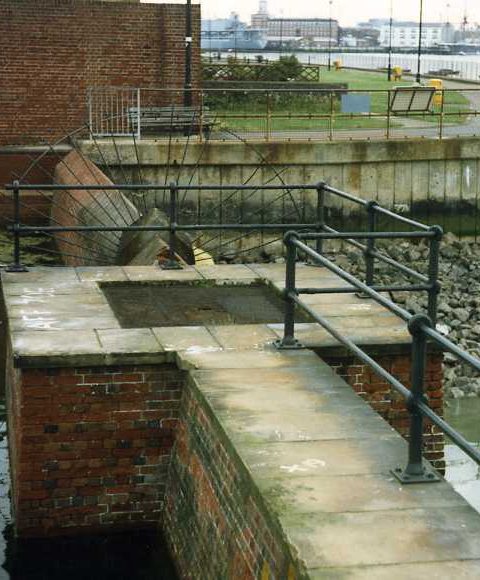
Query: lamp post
{"points": [[187, 94], [418, 78], [330, 34], [389, 71]]}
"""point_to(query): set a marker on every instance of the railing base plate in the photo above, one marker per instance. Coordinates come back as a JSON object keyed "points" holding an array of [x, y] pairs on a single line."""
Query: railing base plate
{"points": [[293, 345], [16, 268], [171, 265], [429, 475]]}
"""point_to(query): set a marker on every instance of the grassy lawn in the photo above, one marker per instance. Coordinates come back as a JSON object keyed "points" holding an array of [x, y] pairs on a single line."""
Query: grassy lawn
{"points": [[238, 113]]}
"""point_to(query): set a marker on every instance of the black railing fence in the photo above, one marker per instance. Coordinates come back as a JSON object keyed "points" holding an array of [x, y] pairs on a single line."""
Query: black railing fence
{"points": [[421, 326]]}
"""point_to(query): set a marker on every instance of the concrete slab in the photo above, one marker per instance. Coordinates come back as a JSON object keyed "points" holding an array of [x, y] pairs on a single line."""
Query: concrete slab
{"points": [[226, 272], [103, 274], [59, 322], [53, 347], [154, 273], [247, 359], [129, 341], [387, 537], [245, 336], [192, 339], [353, 493]]}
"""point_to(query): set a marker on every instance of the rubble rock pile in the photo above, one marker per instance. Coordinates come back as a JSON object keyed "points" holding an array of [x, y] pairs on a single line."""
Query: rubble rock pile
{"points": [[458, 304]]}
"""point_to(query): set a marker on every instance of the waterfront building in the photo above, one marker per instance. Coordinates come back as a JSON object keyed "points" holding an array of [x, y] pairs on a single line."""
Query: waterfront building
{"points": [[405, 34], [315, 31]]}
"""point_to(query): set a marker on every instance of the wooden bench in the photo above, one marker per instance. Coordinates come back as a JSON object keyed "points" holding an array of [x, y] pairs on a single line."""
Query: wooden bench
{"points": [[174, 118]]}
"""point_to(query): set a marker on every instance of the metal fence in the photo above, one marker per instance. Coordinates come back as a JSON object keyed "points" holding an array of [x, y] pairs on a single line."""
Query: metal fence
{"points": [[421, 326], [278, 114]]}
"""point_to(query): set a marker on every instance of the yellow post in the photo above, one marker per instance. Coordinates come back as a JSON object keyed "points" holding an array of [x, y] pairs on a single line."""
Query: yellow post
{"points": [[438, 96]]}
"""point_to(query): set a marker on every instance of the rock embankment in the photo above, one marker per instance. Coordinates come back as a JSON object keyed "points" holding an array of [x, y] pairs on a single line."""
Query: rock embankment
{"points": [[458, 305]]}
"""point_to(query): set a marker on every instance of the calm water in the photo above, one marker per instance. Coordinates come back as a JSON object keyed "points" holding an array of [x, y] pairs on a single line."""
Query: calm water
{"points": [[468, 65], [463, 472], [129, 556]]}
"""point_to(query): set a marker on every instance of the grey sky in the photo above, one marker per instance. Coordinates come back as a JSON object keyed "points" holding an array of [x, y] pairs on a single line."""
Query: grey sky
{"points": [[348, 11]]}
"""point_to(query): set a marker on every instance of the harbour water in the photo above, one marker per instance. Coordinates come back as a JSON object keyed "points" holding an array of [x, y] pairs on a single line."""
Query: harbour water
{"points": [[466, 66], [462, 472]]}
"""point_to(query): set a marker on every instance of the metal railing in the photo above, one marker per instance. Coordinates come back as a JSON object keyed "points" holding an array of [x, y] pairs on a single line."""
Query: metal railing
{"points": [[422, 283], [420, 326], [277, 114]]}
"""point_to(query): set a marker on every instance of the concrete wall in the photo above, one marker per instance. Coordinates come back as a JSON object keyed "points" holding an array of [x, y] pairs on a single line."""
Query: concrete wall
{"points": [[438, 181]]}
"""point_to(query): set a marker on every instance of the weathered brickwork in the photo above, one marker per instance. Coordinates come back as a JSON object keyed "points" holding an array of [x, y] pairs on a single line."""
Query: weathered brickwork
{"points": [[90, 447], [53, 50], [391, 405], [215, 520]]}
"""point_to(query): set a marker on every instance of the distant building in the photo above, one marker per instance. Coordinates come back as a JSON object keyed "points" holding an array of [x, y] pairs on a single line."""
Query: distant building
{"points": [[313, 31], [406, 34]]}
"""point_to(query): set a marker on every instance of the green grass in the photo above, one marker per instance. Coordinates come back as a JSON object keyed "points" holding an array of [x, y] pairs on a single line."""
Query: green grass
{"points": [[237, 113]]}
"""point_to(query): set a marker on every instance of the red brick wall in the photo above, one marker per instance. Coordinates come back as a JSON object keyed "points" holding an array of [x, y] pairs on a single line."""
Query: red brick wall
{"points": [[388, 403], [90, 448], [51, 51], [215, 519]]}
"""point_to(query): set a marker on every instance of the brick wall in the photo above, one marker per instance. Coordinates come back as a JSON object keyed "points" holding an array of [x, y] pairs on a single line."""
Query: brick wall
{"points": [[391, 405], [214, 521], [51, 51], [89, 448]]}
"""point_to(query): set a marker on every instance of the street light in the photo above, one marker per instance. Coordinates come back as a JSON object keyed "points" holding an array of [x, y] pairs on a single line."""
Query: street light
{"points": [[330, 34], [390, 43], [419, 56], [187, 94]]}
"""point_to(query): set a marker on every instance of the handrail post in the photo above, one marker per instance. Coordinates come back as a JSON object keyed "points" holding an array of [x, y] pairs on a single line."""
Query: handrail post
{"points": [[433, 262], [139, 116], [389, 100], [17, 265], [417, 471], [288, 341], [320, 214], [442, 112], [269, 117], [370, 245], [171, 262]]}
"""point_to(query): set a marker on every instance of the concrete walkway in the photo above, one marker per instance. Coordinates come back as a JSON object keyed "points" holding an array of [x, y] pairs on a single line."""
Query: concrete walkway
{"points": [[322, 459], [317, 452]]}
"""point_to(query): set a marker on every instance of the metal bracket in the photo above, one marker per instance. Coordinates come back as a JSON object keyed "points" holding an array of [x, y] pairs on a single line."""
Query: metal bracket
{"points": [[291, 345], [171, 265], [428, 475]]}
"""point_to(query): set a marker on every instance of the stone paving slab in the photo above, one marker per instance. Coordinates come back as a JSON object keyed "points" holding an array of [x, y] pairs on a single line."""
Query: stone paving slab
{"points": [[192, 339], [388, 537], [64, 299], [321, 457], [155, 274], [110, 274], [226, 272], [245, 336]]}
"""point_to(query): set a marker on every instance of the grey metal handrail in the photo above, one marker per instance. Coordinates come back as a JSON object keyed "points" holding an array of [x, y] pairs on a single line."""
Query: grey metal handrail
{"points": [[421, 329]]}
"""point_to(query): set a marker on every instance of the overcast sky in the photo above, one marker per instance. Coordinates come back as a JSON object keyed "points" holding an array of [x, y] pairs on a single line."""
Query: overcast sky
{"points": [[348, 12]]}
